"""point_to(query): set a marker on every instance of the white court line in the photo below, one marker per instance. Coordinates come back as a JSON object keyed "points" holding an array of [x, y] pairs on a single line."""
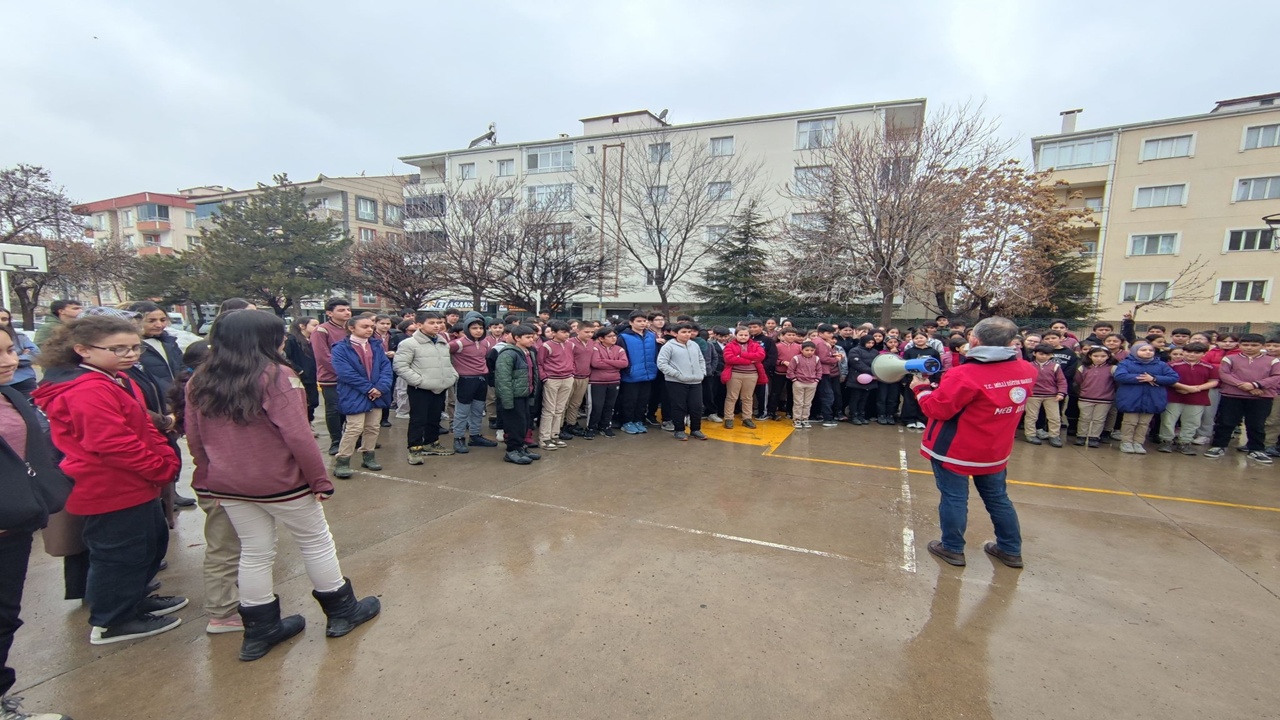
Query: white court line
{"points": [[637, 521], [908, 533]]}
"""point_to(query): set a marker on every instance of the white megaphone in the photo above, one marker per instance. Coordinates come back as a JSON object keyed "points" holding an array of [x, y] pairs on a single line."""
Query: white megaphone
{"points": [[891, 368]]}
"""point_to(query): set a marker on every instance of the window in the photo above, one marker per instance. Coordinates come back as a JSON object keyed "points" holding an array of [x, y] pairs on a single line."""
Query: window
{"points": [[467, 171], [152, 212], [660, 152], [506, 168], [1089, 248], [1163, 244], [556, 235], [1170, 147], [434, 241], [368, 235], [807, 221], [1161, 196], [129, 240], [1242, 240], [553, 158], [1242, 291], [366, 209], [151, 240], [424, 206], [717, 191], [810, 181], [1264, 188], [815, 133], [391, 236], [1262, 136], [203, 212], [191, 219], [658, 194], [193, 241], [550, 197], [1075, 153], [653, 278], [393, 214], [1093, 204], [100, 222], [368, 298], [504, 206], [1144, 291], [126, 218], [657, 238], [722, 146]]}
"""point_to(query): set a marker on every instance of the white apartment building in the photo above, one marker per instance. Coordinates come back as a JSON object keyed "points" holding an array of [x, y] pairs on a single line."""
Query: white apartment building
{"points": [[553, 170]]}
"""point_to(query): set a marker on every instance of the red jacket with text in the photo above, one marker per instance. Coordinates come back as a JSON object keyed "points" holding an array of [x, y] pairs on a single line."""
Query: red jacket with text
{"points": [[975, 409]]}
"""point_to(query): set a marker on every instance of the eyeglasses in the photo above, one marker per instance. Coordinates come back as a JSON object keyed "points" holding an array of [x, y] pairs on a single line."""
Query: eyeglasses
{"points": [[121, 350]]}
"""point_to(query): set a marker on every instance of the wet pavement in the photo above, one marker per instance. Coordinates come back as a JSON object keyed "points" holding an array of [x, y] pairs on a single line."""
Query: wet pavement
{"points": [[783, 574]]}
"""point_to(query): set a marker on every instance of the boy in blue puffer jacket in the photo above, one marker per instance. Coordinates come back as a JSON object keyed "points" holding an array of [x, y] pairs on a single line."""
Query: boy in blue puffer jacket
{"points": [[1141, 382], [641, 345]]}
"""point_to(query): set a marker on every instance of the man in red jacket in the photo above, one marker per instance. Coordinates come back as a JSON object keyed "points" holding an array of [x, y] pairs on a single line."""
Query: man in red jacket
{"points": [[972, 417]]}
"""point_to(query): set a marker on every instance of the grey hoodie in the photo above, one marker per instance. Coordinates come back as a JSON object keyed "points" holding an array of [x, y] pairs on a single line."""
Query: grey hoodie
{"points": [[682, 363]]}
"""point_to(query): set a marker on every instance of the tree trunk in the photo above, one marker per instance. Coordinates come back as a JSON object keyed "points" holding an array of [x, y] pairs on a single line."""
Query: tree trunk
{"points": [[940, 299], [27, 304], [886, 306], [662, 301], [476, 300]]}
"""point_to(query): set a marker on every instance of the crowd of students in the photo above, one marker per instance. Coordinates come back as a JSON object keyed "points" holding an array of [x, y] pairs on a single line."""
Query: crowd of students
{"points": [[586, 379]]}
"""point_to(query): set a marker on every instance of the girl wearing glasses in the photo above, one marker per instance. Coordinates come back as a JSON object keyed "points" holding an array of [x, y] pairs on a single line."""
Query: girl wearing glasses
{"points": [[119, 461]]}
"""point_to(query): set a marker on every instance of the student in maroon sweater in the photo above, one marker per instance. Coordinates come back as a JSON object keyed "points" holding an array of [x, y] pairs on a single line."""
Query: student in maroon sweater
{"points": [[322, 341], [582, 346], [119, 462], [1188, 399], [608, 359], [245, 402]]}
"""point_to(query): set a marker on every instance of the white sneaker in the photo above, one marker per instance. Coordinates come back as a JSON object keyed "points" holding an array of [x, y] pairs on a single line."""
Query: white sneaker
{"points": [[402, 416], [218, 626], [1042, 434], [11, 709], [1139, 449], [1126, 447], [1200, 441], [715, 418]]}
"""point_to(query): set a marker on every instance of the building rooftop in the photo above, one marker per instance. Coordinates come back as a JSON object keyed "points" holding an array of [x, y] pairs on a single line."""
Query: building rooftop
{"points": [[128, 201], [688, 126], [1241, 106]]}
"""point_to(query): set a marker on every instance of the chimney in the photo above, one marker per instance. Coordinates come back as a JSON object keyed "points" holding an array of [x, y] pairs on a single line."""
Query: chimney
{"points": [[1069, 120]]}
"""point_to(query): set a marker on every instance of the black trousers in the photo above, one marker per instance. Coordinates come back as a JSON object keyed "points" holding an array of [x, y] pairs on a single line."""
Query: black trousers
{"points": [[683, 400], [125, 550], [313, 401], [657, 391], [334, 421], [779, 393], [603, 398], [825, 397], [15, 552], [1231, 409], [858, 397], [887, 399], [634, 399], [910, 406], [515, 423], [424, 416]]}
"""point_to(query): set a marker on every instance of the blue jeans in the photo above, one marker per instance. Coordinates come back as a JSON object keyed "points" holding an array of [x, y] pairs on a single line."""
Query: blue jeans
{"points": [[125, 550], [953, 508]]}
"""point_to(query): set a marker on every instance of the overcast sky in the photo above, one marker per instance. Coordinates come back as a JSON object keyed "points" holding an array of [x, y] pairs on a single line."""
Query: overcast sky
{"points": [[124, 96]]}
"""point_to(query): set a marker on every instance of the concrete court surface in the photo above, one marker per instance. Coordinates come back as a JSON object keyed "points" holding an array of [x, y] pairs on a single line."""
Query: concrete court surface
{"points": [[638, 577]]}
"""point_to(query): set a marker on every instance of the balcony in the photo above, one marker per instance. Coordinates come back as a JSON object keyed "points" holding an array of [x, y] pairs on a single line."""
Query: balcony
{"points": [[153, 226], [1082, 177], [154, 250], [323, 213]]}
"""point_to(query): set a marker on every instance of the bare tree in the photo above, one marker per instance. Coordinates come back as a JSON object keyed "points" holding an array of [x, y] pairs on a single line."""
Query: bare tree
{"points": [[883, 194], [1190, 285], [1009, 228], [463, 225], [664, 197], [34, 211], [546, 263], [401, 267]]}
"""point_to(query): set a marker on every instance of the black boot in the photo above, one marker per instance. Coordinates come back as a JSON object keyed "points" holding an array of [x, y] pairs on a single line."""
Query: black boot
{"points": [[344, 611], [263, 628]]}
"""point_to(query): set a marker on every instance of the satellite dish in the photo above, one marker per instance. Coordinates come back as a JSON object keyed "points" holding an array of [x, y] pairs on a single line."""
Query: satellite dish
{"points": [[662, 116]]}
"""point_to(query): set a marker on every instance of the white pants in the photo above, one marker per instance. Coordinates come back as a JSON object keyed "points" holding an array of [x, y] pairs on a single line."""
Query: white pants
{"points": [[255, 523]]}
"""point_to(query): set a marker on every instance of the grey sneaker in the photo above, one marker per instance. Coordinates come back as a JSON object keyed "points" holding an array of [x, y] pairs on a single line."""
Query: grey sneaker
{"points": [[1055, 442], [1035, 440], [1215, 452], [1165, 447], [715, 418], [1186, 449], [1126, 447], [1139, 449], [1260, 457], [681, 436], [668, 426], [1042, 434], [699, 434], [436, 448]]}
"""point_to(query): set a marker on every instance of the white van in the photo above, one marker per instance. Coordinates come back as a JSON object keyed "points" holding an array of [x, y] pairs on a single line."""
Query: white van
{"points": [[177, 321]]}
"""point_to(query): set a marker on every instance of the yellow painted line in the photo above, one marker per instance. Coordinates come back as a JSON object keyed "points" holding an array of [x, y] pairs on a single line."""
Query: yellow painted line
{"points": [[769, 433], [1071, 488]]}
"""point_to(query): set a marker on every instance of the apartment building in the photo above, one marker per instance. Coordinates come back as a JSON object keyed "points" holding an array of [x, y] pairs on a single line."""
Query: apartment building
{"points": [[565, 170], [366, 207], [1168, 193], [154, 223]]}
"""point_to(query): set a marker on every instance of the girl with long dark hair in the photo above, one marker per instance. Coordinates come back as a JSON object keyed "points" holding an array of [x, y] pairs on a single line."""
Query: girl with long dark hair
{"points": [[297, 348], [243, 402]]}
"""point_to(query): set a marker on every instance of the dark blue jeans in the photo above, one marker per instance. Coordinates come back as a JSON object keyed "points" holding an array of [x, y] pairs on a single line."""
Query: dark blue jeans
{"points": [[953, 508], [15, 550], [125, 550], [826, 398]]}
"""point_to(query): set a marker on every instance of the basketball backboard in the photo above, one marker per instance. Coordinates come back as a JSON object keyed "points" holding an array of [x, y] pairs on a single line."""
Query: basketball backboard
{"points": [[27, 258]]}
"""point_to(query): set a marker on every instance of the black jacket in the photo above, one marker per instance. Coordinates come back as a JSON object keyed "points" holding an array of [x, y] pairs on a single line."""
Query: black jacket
{"points": [[32, 489], [300, 356], [860, 359], [163, 368], [770, 352]]}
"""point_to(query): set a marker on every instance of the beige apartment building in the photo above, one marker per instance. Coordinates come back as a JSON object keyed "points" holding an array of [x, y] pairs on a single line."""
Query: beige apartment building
{"points": [[1168, 193], [154, 223], [556, 170], [366, 207]]}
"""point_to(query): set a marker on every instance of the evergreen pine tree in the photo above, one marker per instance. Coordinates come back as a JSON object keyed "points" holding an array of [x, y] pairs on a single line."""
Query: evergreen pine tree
{"points": [[735, 282]]}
